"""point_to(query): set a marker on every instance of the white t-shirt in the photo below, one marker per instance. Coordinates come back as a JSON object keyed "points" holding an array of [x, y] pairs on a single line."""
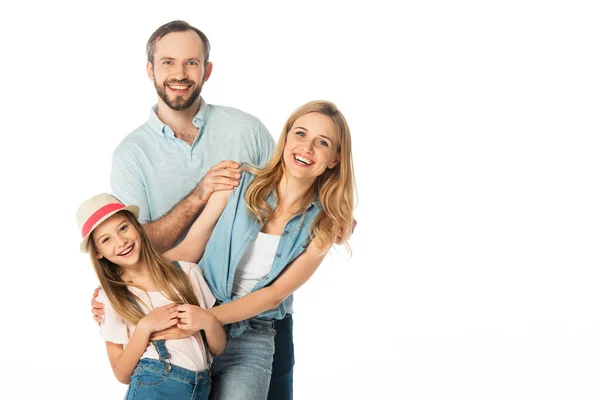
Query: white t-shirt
{"points": [[187, 352], [255, 264]]}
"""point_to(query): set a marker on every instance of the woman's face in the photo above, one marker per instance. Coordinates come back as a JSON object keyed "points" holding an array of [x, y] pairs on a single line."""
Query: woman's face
{"points": [[311, 146]]}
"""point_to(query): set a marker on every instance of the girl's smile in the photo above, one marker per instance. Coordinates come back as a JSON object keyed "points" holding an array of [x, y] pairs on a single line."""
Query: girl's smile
{"points": [[127, 251]]}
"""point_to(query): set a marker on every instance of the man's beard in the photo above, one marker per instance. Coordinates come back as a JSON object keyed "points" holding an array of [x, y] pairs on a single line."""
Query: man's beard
{"points": [[179, 103]]}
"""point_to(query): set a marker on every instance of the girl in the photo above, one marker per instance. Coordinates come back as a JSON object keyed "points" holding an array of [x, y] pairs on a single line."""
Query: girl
{"points": [[270, 235], [147, 294]]}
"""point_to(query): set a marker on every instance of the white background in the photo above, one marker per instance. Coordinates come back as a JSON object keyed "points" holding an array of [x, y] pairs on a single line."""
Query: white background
{"points": [[475, 128]]}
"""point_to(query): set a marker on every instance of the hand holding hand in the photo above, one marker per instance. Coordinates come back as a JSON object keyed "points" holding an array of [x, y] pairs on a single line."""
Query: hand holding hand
{"points": [[193, 317], [223, 176], [159, 318]]}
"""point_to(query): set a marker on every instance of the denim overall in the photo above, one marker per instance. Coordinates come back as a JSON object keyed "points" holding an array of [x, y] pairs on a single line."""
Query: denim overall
{"points": [[159, 379]]}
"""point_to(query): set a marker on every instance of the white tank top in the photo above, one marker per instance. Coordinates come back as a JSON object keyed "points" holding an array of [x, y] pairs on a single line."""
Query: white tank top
{"points": [[255, 264]]}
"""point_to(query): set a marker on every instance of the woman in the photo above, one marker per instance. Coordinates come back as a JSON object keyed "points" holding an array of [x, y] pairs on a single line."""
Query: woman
{"points": [[270, 235]]}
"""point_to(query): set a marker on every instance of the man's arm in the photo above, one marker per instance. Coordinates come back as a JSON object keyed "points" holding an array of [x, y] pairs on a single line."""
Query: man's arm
{"points": [[166, 231], [127, 185]]}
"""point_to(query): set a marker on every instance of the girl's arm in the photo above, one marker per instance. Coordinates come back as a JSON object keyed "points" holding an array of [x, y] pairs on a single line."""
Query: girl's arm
{"points": [[192, 246], [268, 298], [124, 360]]}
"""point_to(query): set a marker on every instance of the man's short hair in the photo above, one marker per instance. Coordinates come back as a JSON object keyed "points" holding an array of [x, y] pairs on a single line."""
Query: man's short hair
{"points": [[175, 26]]}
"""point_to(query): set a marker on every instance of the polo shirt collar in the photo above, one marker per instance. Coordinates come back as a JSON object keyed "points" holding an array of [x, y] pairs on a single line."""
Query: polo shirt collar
{"points": [[159, 127]]}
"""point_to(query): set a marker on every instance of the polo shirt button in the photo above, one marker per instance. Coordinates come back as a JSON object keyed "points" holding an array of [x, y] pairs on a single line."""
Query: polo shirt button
{"points": [[278, 255], [285, 232]]}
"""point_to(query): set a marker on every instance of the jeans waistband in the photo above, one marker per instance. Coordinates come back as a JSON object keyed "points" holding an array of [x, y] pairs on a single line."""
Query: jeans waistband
{"points": [[182, 374]]}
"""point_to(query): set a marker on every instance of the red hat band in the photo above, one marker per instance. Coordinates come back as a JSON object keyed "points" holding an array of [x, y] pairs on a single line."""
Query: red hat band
{"points": [[98, 215]]}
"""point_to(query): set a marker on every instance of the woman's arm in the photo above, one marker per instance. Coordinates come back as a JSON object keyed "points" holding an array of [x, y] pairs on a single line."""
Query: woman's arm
{"points": [[215, 336], [268, 298], [192, 246], [193, 318]]}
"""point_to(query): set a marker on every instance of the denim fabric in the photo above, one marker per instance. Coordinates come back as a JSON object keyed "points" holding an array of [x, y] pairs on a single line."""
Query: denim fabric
{"points": [[282, 378], [243, 370], [154, 379], [233, 234]]}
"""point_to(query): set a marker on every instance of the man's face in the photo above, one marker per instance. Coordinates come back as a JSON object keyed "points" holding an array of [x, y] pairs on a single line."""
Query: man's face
{"points": [[178, 71]]}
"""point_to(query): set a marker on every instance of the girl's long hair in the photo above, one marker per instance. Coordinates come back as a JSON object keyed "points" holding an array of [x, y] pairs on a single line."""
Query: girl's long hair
{"points": [[170, 279], [334, 188]]}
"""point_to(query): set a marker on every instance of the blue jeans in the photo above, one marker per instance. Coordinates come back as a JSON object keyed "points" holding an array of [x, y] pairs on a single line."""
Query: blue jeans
{"points": [[243, 370], [283, 361], [154, 379]]}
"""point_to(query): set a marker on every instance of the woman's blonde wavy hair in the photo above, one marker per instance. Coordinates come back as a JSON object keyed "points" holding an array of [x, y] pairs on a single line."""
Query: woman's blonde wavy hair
{"points": [[334, 188], [170, 279]]}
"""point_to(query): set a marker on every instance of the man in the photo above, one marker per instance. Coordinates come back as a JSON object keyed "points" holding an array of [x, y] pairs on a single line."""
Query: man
{"points": [[159, 165]]}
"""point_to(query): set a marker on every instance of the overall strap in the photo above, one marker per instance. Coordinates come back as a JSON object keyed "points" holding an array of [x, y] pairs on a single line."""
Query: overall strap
{"points": [[163, 353], [159, 345]]}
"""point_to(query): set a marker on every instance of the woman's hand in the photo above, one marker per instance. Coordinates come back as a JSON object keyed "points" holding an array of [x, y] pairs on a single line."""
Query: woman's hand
{"points": [[194, 318]]}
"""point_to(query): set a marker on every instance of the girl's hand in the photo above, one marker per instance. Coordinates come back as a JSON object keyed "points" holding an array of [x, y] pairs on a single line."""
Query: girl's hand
{"points": [[160, 318], [194, 318], [171, 333]]}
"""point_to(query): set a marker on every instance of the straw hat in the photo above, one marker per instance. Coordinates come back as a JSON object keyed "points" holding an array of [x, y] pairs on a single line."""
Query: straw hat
{"points": [[93, 211]]}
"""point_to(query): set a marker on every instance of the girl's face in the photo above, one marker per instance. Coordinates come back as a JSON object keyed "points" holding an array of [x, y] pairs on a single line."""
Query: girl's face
{"points": [[118, 241], [311, 146]]}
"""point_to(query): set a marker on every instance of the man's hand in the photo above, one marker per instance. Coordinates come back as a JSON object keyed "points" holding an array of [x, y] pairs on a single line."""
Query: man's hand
{"points": [[97, 307], [172, 333], [223, 176]]}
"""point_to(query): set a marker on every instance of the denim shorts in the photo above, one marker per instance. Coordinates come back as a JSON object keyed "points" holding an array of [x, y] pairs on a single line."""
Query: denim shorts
{"points": [[153, 379]]}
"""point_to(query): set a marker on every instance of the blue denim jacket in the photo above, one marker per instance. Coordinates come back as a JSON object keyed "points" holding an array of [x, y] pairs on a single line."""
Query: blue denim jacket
{"points": [[235, 230]]}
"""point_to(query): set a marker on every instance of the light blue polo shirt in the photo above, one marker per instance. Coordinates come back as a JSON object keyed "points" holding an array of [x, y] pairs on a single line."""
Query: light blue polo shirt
{"points": [[154, 170]]}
